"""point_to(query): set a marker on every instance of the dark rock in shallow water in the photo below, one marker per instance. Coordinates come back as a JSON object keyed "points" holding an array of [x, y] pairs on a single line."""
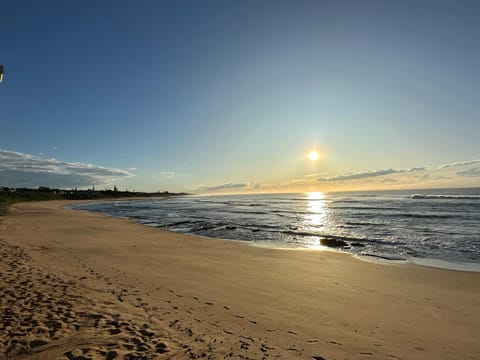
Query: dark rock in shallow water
{"points": [[203, 226], [334, 243], [357, 244]]}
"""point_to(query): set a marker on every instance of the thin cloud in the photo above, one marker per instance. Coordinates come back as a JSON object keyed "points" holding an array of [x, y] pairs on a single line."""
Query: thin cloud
{"points": [[369, 174], [471, 162], [473, 172], [168, 174], [231, 186], [226, 186], [305, 180], [312, 176], [389, 180], [25, 170]]}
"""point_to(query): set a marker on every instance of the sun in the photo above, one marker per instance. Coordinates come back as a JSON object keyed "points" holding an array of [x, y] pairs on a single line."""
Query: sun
{"points": [[313, 155]]}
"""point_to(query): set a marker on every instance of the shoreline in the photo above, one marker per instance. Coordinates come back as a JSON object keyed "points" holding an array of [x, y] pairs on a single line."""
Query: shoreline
{"points": [[181, 296], [426, 262]]}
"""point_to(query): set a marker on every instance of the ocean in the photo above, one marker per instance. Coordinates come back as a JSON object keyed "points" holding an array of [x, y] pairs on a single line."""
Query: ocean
{"points": [[429, 227]]}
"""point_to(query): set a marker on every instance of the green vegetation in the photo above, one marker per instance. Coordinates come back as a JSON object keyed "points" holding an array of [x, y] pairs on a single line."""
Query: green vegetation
{"points": [[10, 196]]}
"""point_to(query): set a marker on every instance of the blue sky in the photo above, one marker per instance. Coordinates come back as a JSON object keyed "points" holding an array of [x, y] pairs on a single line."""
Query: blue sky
{"points": [[231, 95]]}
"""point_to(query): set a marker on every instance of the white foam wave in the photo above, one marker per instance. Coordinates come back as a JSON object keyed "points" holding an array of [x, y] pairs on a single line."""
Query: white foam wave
{"points": [[437, 196]]}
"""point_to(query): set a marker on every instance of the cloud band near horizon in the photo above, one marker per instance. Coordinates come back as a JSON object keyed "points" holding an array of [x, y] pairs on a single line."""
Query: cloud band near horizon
{"points": [[230, 186], [463, 163], [25, 170], [369, 174]]}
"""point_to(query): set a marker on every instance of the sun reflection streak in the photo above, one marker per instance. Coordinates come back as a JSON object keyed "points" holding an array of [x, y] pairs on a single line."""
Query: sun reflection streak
{"points": [[316, 218], [316, 207]]}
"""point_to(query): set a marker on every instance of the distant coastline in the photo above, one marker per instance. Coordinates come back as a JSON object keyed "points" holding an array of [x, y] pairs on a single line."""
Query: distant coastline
{"points": [[11, 195]]}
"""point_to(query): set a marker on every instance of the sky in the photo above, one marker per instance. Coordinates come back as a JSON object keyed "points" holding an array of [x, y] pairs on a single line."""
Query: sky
{"points": [[231, 96]]}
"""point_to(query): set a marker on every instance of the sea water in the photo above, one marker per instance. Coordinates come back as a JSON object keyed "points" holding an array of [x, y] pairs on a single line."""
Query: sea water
{"points": [[430, 227]]}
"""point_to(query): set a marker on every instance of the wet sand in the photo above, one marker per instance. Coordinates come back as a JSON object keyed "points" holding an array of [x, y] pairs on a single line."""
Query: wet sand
{"points": [[77, 285]]}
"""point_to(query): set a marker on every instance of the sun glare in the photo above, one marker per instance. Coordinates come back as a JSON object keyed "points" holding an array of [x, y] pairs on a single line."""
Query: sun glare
{"points": [[313, 155]]}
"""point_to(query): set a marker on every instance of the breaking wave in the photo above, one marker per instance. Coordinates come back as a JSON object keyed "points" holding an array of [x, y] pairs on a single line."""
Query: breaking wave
{"points": [[452, 197]]}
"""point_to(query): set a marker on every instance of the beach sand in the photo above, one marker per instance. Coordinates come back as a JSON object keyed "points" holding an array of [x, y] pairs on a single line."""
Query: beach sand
{"points": [[76, 285]]}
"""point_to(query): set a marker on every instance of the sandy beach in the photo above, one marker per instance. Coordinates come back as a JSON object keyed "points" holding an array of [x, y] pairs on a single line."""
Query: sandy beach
{"points": [[78, 285]]}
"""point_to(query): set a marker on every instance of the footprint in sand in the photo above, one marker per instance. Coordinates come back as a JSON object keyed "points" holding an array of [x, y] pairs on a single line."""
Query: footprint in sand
{"points": [[294, 348], [37, 317], [334, 342]]}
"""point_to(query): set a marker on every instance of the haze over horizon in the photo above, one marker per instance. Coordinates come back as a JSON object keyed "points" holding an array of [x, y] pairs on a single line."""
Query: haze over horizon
{"points": [[224, 96]]}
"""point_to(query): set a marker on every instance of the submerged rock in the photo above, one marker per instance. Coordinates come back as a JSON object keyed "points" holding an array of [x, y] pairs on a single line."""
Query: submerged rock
{"points": [[357, 244], [334, 243]]}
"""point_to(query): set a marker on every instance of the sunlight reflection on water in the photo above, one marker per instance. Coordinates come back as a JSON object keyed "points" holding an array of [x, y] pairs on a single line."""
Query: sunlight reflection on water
{"points": [[317, 210], [316, 217]]}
